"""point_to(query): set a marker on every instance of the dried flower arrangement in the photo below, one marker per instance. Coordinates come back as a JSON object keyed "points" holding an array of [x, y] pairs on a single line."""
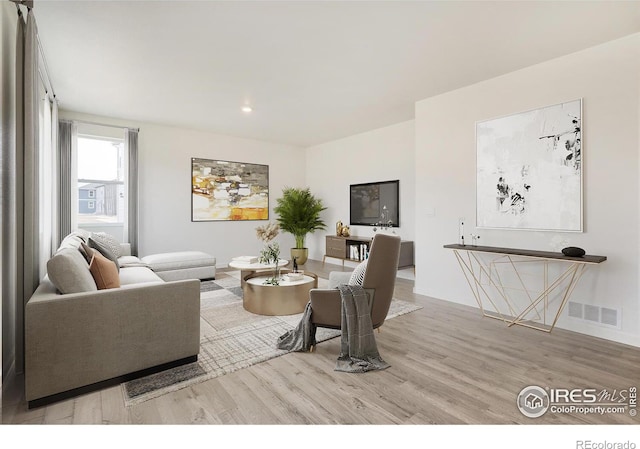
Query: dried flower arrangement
{"points": [[270, 254]]}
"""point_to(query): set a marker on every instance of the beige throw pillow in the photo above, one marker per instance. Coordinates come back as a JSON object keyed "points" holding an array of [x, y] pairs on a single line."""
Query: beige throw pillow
{"points": [[69, 272], [104, 272]]}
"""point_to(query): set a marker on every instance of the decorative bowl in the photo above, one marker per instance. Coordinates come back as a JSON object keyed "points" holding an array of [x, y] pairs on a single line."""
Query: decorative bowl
{"points": [[295, 276]]}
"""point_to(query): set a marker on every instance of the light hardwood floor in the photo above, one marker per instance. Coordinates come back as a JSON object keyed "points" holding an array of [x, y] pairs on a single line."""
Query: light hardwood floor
{"points": [[448, 366]]}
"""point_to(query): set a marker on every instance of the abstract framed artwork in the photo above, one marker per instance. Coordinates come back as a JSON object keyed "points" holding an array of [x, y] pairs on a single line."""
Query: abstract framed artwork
{"points": [[529, 170], [229, 191]]}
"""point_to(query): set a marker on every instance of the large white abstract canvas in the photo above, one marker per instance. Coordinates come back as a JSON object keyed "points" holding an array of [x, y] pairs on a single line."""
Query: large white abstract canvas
{"points": [[529, 170]]}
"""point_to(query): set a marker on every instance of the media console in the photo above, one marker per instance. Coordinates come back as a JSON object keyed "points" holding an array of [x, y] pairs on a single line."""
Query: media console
{"points": [[356, 249]]}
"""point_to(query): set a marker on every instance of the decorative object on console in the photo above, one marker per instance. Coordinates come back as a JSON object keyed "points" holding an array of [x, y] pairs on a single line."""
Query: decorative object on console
{"points": [[529, 170], [573, 251], [341, 230], [224, 190], [384, 223], [270, 254], [299, 214]]}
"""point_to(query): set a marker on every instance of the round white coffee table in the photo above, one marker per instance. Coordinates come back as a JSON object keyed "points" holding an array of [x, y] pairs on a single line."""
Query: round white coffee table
{"points": [[250, 268], [288, 298]]}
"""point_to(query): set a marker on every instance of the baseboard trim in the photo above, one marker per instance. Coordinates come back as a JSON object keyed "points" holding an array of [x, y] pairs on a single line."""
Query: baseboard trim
{"points": [[109, 382]]}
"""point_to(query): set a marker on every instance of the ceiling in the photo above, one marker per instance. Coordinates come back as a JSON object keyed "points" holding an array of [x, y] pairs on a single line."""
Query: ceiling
{"points": [[313, 71]]}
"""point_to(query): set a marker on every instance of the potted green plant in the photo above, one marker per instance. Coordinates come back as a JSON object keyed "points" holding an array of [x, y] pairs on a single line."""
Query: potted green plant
{"points": [[299, 214]]}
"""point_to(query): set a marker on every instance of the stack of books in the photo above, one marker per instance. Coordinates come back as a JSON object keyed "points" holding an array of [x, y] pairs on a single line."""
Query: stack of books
{"points": [[246, 259]]}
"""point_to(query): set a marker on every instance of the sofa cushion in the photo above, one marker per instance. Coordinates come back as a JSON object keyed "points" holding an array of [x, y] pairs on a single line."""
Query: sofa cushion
{"points": [[69, 272], [131, 261], [104, 272], [105, 251], [179, 260], [138, 275]]}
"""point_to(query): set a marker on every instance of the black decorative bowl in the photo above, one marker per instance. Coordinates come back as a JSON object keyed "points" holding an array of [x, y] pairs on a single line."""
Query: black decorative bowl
{"points": [[573, 251]]}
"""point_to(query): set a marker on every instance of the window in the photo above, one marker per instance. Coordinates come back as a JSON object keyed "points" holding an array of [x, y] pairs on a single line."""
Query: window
{"points": [[101, 193]]}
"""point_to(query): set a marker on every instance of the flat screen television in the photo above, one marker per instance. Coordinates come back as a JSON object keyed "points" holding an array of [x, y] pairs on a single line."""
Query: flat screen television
{"points": [[375, 204]]}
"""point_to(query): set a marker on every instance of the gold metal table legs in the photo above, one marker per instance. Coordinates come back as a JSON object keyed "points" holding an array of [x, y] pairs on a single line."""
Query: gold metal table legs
{"points": [[542, 307]]}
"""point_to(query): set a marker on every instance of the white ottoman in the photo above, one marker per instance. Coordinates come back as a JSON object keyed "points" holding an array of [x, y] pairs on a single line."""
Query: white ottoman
{"points": [[181, 265]]}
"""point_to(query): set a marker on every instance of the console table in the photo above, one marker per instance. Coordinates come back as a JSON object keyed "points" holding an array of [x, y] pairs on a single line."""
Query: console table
{"points": [[341, 248], [480, 264]]}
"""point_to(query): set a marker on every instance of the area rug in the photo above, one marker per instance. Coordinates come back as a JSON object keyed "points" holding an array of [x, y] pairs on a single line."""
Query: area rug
{"points": [[230, 339]]}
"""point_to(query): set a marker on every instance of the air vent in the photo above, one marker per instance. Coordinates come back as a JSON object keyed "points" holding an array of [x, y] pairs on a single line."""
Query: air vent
{"points": [[609, 316], [591, 313], [575, 309], [602, 315]]}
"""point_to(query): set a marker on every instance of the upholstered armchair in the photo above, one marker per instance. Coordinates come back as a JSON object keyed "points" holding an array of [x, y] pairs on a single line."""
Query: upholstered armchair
{"points": [[379, 282]]}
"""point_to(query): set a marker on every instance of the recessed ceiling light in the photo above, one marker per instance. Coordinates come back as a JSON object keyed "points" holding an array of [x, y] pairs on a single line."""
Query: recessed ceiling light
{"points": [[247, 109]]}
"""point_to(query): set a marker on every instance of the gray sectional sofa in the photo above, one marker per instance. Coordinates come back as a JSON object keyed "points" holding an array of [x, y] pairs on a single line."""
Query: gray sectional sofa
{"points": [[79, 338]]}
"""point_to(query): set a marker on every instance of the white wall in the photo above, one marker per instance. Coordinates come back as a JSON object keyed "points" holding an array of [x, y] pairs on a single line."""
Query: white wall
{"points": [[380, 155], [606, 77], [165, 187]]}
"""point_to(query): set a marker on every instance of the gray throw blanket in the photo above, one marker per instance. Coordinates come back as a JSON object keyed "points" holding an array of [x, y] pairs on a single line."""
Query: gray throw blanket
{"points": [[302, 337], [358, 348]]}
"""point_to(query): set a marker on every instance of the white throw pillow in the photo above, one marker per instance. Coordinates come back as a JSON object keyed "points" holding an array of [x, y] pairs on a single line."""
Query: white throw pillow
{"points": [[357, 277]]}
